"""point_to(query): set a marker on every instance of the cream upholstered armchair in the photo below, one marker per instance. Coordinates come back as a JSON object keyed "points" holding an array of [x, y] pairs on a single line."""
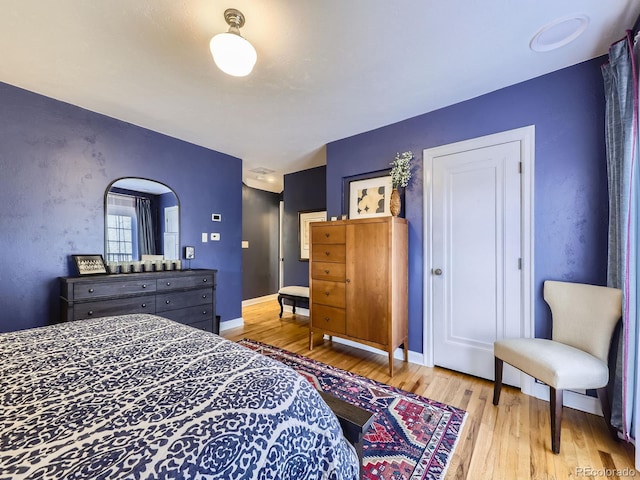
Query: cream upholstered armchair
{"points": [[584, 317]]}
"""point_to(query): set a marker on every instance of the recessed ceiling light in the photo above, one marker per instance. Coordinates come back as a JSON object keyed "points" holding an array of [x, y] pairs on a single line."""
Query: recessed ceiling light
{"points": [[559, 33]]}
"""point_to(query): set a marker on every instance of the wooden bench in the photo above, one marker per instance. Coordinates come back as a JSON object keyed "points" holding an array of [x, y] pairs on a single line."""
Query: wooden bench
{"points": [[295, 294], [355, 422]]}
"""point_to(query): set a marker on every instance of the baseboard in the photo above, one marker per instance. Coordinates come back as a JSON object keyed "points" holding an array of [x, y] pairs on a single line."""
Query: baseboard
{"points": [[414, 357], [254, 301], [229, 324]]}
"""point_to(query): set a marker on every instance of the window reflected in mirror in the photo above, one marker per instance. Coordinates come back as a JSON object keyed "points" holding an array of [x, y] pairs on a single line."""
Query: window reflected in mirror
{"points": [[142, 217]]}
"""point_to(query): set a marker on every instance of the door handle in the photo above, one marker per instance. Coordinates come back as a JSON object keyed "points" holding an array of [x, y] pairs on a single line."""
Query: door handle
{"points": [[437, 271]]}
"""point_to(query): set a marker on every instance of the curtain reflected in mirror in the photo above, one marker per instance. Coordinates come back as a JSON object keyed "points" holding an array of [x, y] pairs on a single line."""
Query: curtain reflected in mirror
{"points": [[142, 217]]}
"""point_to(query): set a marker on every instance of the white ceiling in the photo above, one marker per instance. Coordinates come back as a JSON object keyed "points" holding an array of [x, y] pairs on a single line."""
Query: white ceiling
{"points": [[326, 70]]}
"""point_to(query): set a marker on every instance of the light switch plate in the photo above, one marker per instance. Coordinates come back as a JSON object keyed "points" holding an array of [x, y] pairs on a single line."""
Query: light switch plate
{"points": [[205, 238], [216, 217]]}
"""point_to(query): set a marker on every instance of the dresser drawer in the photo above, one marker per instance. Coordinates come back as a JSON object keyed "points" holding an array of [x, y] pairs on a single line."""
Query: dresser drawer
{"points": [[328, 318], [172, 283], [196, 315], [328, 293], [328, 253], [328, 271], [175, 300], [328, 234], [85, 291], [120, 306], [206, 325]]}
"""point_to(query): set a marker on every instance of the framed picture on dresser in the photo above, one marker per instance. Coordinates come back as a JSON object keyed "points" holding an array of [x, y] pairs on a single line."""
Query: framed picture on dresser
{"points": [[90, 264], [367, 195]]}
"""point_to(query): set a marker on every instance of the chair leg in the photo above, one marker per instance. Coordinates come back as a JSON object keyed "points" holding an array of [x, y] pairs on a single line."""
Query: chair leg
{"points": [[497, 383], [606, 410], [555, 401]]}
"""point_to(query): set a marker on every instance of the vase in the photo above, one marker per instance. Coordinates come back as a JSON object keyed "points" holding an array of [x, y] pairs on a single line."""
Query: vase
{"points": [[395, 204]]}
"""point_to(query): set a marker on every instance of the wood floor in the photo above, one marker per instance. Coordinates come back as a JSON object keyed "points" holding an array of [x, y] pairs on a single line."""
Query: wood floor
{"points": [[511, 441]]}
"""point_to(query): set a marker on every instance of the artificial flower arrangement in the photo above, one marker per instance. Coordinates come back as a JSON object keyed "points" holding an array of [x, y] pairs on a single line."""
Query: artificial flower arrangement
{"points": [[401, 169]]}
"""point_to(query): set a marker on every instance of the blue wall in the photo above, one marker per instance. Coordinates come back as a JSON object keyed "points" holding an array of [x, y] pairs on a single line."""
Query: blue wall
{"points": [[570, 198], [305, 190], [56, 160]]}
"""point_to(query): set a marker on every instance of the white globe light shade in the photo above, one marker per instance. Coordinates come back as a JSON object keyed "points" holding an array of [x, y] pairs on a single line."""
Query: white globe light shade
{"points": [[233, 54]]}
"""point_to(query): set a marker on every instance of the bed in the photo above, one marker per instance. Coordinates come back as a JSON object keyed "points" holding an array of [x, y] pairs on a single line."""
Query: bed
{"points": [[143, 397]]}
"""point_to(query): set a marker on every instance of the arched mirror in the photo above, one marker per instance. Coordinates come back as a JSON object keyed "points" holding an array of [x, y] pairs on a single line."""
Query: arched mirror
{"points": [[142, 217]]}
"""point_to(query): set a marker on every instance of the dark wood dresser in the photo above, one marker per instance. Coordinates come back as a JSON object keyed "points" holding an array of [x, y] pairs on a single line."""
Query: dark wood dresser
{"points": [[186, 296]]}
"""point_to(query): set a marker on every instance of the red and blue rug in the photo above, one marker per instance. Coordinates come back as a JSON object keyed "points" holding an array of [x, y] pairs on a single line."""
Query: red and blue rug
{"points": [[411, 437]]}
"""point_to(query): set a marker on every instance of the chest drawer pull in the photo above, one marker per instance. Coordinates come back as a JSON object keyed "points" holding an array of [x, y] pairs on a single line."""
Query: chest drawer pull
{"points": [[204, 280], [204, 312], [327, 293], [326, 319], [204, 296], [327, 253], [91, 290], [167, 302], [327, 235], [144, 285], [326, 271], [90, 312], [144, 305], [168, 284]]}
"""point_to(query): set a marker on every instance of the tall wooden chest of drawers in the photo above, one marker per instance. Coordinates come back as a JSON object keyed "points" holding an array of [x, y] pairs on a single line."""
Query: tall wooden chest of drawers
{"points": [[186, 296], [358, 279]]}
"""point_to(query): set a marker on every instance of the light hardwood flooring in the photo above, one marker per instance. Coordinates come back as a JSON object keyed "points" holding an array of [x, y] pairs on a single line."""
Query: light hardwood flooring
{"points": [[511, 441]]}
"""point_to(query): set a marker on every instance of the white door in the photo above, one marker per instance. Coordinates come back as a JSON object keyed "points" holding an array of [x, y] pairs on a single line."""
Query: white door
{"points": [[476, 256], [171, 220]]}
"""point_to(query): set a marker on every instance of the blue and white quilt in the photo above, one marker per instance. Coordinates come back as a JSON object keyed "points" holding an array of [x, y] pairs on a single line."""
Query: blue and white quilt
{"points": [[142, 397]]}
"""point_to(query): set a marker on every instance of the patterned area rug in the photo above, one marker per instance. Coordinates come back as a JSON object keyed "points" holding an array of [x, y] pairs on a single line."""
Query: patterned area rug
{"points": [[411, 437]]}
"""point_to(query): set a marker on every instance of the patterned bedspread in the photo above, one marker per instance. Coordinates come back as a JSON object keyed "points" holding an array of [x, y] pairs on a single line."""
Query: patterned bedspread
{"points": [[139, 396]]}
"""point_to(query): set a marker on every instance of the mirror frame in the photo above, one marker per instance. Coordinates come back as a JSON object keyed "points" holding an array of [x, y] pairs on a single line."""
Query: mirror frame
{"points": [[108, 189]]}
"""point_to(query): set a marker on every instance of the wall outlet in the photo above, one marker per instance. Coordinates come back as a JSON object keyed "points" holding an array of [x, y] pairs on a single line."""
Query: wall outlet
{"points": [[216, 217], [215, 237], [205, 238], [245, 243]]}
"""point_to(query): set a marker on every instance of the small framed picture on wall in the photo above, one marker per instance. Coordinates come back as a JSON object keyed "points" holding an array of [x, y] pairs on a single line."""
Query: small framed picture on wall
{"points": [[305, 217]]}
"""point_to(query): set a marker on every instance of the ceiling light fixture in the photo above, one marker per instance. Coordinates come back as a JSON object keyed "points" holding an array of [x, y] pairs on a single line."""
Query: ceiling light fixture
{"points": [[559, 33], [232, 53]]}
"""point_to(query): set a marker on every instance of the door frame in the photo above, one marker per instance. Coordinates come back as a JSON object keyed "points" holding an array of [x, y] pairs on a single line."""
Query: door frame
{"points": [[526, 137]]}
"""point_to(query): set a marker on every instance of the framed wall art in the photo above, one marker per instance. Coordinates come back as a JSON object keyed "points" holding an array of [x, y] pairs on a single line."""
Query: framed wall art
{"points": [[305, 217], [89, 264], [369, 197]]}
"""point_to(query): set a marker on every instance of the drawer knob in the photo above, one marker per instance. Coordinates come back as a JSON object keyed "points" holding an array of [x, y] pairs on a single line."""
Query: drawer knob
{"points": [[144, 305], [91, 290], [90, 312], [144, 285], [348, 280], [204, 312], [204, 280], [167, 302], [168, 284], [327, 235], [204, 296], [326, 319], [327, 271], [327, 293], [327, 253]]}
